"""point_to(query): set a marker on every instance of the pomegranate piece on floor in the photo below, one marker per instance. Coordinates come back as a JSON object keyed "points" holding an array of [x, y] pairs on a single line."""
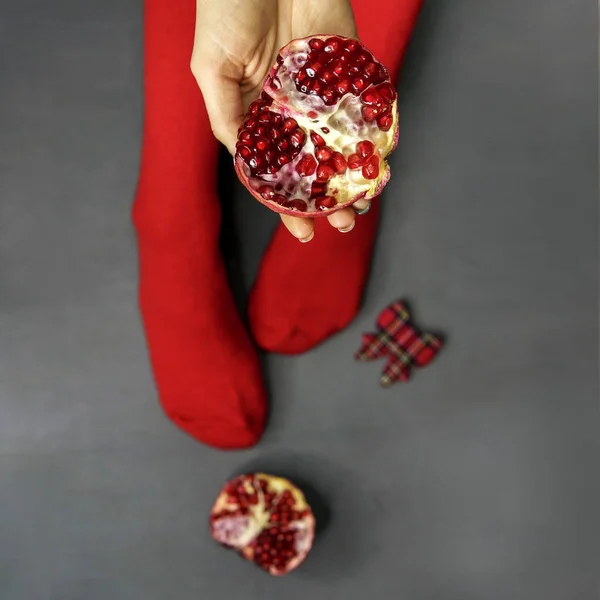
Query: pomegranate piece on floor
{"points": [[400, 342], [266, 519], [318, 137]]}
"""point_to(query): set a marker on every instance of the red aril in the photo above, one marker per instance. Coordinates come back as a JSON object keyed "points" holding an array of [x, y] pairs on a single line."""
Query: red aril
{"points": [[266, 519], [318, 137]]}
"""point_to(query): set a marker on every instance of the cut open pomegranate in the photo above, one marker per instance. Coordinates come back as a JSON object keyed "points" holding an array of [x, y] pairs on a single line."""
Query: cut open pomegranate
{"points": [[266, 519], [318, 137]]}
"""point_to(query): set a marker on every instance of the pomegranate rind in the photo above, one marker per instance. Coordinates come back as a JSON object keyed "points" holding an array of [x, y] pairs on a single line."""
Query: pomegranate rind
{"points": [[339, 188], [257, 519]]}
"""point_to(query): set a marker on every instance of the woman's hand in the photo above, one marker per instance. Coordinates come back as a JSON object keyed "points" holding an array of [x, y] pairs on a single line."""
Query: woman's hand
{"points": [[236, 44]]}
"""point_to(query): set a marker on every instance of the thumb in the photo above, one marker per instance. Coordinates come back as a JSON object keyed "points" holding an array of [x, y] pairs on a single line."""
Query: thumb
{"points": [[223, 100]]}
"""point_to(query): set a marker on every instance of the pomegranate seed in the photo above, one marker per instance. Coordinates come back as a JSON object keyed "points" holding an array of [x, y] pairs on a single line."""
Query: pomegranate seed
{"points": [[329, 96], [339, 162], [297, 138], [303, 88], [277, 119], [261, 130], [365, 148], [316, 43], [371, 97], [283, 159], [370, 69], [342, 86], [245, 152], [306, 166], [351, 46], [316, 88], [353, 70], [279, 59], [385, 122], [332, 45], [324, 172], [355, 161], [359, 84], [245, 136], [325, 129], [282, 145], [371, 168], [269, 156], [264, 118], [369, 113], [338, 67], [271, 169], [323, 154], [261, 144], [274, 133], [327, 76], [364, 57], [289, 125], [310, 72], [388, 93], [279, 199], [266, 191], [255, 162], [325, 202], [301, 206], [300, 76], [250, 123], [312, 114], [254, 108], [317, 189], [317, 140]]}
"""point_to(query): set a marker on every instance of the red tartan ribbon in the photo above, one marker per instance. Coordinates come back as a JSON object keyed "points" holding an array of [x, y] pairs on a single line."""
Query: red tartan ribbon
{"points": [[400, 342]]}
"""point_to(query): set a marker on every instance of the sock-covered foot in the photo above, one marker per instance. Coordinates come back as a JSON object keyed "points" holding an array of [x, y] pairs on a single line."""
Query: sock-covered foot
{"points": [[206, 370], [305, 293]]}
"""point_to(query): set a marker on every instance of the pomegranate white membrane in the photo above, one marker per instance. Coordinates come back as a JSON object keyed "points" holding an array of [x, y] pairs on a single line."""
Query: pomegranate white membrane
{"points": [[318, 137]]}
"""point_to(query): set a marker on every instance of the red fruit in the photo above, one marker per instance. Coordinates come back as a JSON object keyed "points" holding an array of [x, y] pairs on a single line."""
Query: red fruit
{"points": [[323, 154], [354, 161], [325, 202], [325, 172], [306, 166], [365, 148], [339, 162], [332, 91], [370, 169], [266, 519], [317, 140]]}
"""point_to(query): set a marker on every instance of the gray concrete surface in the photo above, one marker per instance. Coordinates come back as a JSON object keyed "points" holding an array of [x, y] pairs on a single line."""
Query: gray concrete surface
{"points": [[477, 481]]}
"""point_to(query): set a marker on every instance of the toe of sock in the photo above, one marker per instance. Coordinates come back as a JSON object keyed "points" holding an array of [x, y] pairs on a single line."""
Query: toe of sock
{"points": [[221, 435]]}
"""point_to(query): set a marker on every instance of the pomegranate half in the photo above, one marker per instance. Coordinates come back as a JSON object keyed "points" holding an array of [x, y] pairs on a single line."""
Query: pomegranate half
{"points": [[266, 519], [318, 137]]}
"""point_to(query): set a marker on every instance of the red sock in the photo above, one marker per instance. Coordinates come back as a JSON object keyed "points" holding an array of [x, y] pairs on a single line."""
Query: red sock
{"points": [[205, 367], [305, 293]]}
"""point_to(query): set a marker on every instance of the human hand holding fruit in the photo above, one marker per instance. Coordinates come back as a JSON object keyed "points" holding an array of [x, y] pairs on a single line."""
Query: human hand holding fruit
{"points": [[236, 44]]}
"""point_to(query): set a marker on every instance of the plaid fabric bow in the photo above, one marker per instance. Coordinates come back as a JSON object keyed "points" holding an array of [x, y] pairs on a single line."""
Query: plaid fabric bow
{"points": [[399, 341]]}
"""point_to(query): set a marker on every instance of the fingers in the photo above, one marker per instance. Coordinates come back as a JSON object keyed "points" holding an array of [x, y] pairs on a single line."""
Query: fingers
{"points": [[299, 227], [223, 99], [343, 220], [361, 207]]}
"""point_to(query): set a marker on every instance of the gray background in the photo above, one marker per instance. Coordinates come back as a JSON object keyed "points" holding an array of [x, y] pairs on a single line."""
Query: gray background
{"points": [[476, 481]]}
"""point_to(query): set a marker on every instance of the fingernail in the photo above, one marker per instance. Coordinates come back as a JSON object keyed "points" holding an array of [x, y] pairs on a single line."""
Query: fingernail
{"points": [[349, 228], [364, 210], [307, 239]]}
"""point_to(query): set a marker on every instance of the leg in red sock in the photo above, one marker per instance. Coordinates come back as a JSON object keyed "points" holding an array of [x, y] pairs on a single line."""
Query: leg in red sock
{"points": [[206, 370], [305, 293]]}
